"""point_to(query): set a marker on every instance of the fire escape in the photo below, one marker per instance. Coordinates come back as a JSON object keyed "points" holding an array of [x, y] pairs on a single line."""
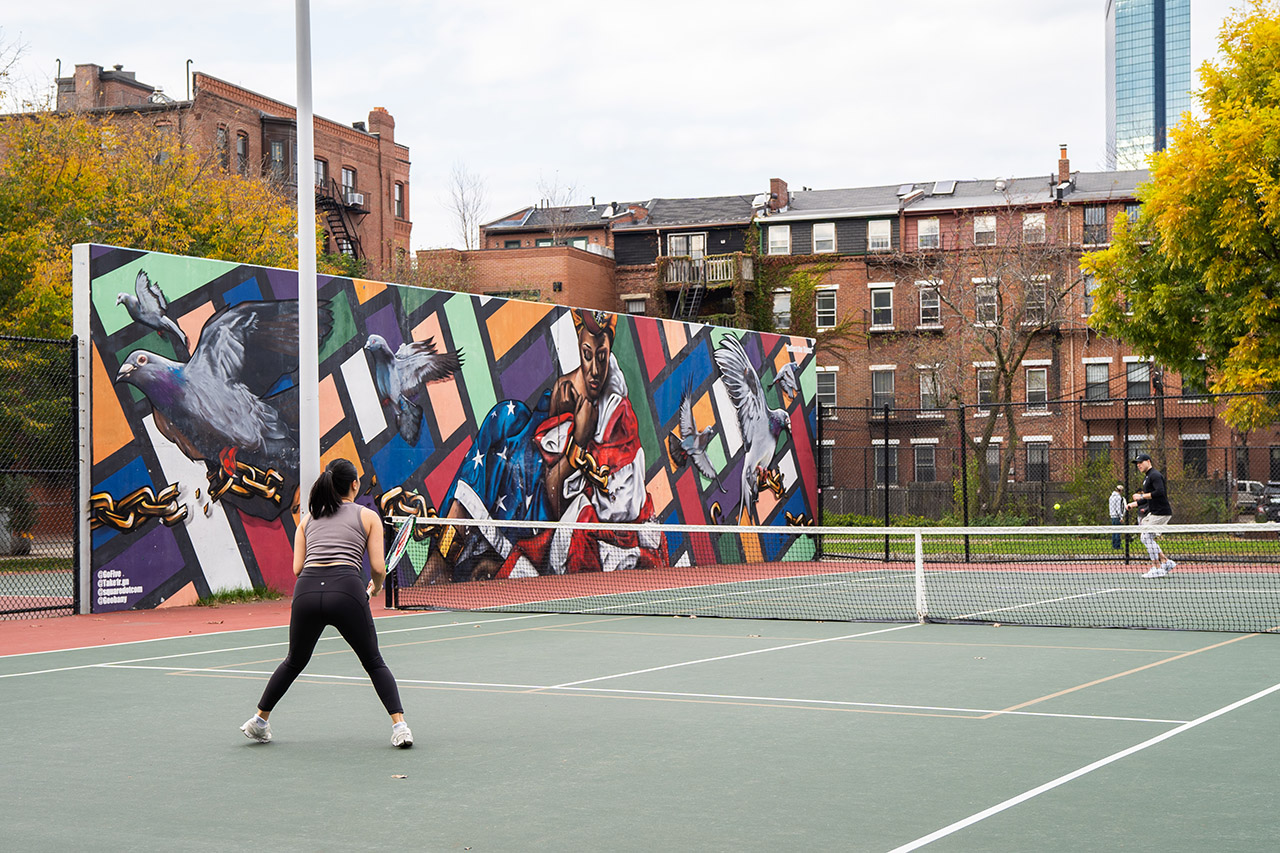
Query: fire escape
{"points": [[342, 207]]}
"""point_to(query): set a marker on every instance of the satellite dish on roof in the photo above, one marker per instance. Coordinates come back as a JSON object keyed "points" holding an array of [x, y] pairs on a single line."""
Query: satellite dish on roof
{"points": [[1001, 183]]}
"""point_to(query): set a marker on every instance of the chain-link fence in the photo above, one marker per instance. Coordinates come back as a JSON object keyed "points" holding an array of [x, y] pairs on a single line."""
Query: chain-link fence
{"points": [[38, 477], [1048, 462]]}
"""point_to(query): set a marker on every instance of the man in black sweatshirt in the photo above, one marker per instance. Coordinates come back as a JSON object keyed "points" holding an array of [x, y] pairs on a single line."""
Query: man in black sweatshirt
{"points": [[1154, 511]]}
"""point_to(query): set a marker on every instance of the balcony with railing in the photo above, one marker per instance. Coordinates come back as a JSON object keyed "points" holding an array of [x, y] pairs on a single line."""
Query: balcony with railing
{"points": [[708, 270]]}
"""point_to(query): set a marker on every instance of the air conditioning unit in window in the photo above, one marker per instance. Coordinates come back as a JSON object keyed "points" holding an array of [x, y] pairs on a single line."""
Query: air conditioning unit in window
{"points": [[355, 199]]}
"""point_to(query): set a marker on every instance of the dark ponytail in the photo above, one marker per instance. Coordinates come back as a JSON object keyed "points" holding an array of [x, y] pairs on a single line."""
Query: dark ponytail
{"points": [[329, 489]]}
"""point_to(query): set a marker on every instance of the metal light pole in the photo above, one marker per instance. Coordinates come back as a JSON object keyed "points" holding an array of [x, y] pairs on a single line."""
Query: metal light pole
{"points": [[308, 324]]}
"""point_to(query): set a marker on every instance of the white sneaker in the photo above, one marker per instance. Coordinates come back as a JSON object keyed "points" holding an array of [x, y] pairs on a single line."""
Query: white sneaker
{"points": [[1158, 572], [401, 737], [255, 731], [1168, 565]]}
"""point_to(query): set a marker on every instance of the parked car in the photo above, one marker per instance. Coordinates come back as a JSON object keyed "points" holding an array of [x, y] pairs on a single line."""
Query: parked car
{"points": [[1269, 502], [1247, 494]]}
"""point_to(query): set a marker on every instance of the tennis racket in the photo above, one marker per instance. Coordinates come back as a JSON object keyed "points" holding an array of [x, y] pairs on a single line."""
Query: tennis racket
{"points": [[400, 544]]}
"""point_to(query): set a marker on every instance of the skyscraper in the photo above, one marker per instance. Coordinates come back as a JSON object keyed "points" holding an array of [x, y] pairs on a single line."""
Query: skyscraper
{"points": [[1148, 76]]}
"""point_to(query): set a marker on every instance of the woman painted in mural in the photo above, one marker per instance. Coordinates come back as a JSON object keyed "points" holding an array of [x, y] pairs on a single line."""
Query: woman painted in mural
{"points": [[576, 456]]}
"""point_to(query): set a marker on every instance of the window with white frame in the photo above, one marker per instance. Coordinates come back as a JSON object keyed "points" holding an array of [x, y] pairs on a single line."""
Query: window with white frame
{"points": [[634, 305], [321, 172], [986, 386], [1097, 450], [881, 307], [878, 239], [930, 304], [886, 463], [348, 180], [1138, 379], [1033, 227], [1037, 301], [929, 234], [1037, 389], [929, 396], [994, 467], [1097, 381], [825, 301], [781, 310], [926, 463], [779, 239], [826, 462], [824, 237], [984, 230], [986, 304], [687, 245], [1037, 461], [1133, 210], [881, 389], [826, 394], [1090, 288]]}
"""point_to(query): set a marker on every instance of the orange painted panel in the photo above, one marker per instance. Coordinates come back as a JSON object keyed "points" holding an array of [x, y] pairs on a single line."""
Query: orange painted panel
{"points": [[110, 429], [366, 290], [512, 322], [193, 322]]}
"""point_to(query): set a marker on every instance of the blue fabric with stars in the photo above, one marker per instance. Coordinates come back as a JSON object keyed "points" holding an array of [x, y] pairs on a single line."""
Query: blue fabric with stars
{"points": [[504, 466]]}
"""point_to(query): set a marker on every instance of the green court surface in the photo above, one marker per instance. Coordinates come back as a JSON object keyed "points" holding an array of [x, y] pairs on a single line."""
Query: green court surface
{"points": [[604, 732]]}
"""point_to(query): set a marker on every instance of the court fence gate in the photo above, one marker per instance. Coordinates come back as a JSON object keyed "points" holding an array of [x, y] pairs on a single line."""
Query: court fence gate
{"points": [[39, 478]]}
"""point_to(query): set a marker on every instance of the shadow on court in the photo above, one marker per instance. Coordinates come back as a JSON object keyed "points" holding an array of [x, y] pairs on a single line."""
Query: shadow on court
{"points": [[554, 732]]}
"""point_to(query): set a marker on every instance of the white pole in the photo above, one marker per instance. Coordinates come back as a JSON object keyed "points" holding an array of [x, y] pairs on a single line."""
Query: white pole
{"points": [[308, 324]]}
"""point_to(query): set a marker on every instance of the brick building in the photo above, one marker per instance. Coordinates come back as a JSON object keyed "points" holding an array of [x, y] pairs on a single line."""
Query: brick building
{"points": [[360, 174], [953, 296]]}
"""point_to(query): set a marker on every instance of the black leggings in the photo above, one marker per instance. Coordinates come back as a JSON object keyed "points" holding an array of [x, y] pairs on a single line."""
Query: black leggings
{"points": [[331, 595]]}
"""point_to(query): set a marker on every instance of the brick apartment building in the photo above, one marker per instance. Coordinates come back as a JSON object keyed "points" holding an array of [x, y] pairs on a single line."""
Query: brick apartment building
{"points": [[360, 174], [918, 273]]}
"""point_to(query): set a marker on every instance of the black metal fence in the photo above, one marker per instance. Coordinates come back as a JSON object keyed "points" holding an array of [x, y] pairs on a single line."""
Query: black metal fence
{"points": [[1049, 462], [38, 477]]}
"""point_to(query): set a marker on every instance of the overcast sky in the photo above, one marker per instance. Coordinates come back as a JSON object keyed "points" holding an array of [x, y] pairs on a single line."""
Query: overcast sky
{"points": [[631, 100]]}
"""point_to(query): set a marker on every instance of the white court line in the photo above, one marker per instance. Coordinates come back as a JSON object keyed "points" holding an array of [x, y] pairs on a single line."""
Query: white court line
{"points": [[1037, 603], [241, 648], [735, 655], [713, 696], [1075, 774]]}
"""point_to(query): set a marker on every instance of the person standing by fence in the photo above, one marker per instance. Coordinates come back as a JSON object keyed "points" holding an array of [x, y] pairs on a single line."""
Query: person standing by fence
{"points": [[1115, 508], [1152, 503]]}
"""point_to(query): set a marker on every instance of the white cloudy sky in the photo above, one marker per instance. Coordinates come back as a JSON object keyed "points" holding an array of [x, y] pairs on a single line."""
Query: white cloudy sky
{"points": [[631, 100]]}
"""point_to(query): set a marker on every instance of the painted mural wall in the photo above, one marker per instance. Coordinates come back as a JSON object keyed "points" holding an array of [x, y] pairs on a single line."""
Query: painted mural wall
{"points": [[448, 403]]}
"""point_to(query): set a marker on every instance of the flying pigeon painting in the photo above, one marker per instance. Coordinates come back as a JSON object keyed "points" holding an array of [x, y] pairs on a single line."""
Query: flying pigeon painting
{"points": [[147, 305], [222, 404], [399, 377], [760, 425], [786, 382], [690, 447]]}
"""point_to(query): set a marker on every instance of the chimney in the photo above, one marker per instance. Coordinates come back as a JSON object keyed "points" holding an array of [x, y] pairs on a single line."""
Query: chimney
{"points": [[777, 194], [1064, 166]]}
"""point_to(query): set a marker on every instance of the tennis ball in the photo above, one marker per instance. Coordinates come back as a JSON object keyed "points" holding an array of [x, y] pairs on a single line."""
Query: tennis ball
{"points": [[1057, 506]]}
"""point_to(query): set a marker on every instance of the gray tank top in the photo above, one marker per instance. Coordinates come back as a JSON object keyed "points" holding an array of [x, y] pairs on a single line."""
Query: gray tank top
{"points": [[337, 538]]}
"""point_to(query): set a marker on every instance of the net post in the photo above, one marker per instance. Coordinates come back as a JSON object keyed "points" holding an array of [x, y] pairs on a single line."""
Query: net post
{"points": [[964, 477], [885, 458], [922, 607]]}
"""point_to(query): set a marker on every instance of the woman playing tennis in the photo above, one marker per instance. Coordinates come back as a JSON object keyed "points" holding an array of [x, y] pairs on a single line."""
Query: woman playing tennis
{"points": [[328, 552]]}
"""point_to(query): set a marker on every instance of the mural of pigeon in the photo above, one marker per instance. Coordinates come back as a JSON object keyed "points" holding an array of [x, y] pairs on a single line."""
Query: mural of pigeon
{"points": [[760, 425], [147, 306], [786, 382], [691, 448], [220, 405], [399, 376]]}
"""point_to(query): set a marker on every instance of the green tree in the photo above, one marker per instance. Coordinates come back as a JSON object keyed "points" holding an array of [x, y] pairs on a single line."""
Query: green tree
{"points": [[1198, 274]]}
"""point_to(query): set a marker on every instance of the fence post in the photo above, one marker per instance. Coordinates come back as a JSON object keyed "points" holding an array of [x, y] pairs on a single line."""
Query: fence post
{"points": [[77, 499], [1124, 466], [964, 477], [886, 480]]}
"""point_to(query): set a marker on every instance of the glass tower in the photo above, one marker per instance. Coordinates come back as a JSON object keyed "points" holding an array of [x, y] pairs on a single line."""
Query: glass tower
{"points": [[1148, 76]]}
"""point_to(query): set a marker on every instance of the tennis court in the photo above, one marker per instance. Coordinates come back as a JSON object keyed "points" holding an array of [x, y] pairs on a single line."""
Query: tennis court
{"points": [[549, 731]]}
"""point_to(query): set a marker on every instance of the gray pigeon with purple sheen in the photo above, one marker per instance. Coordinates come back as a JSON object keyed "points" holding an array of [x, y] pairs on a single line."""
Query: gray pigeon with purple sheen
{"points": [[147, 305], [786, 380], [694, 442], [399, 376], [221, 405], [760, 425]]}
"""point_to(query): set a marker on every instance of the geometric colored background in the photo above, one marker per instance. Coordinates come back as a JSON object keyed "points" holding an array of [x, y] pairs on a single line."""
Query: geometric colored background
{"points": [[513, 350]]}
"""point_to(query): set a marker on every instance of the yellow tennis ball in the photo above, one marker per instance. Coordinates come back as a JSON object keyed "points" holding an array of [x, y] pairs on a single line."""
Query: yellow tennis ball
{"points": [[1057, 506]]}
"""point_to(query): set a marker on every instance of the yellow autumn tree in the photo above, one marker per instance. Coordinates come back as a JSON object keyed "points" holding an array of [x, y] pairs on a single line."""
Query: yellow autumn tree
{"points": [[1199, 273], [67, 178]]}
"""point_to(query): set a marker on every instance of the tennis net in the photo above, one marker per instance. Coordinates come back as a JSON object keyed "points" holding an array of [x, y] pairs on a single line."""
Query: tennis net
{"points": [[1225, 577]]}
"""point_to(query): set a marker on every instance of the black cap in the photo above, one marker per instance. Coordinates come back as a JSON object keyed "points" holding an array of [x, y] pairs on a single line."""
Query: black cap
{"points": [[1141, 457]]}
